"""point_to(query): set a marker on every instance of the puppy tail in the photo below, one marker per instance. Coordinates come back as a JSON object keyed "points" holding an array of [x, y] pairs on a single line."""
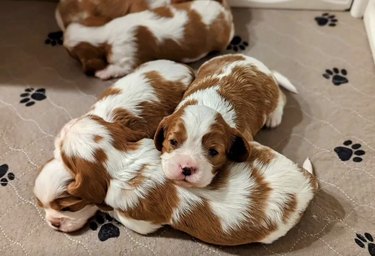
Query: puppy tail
{"points": [[284, 82], [307, 165]]}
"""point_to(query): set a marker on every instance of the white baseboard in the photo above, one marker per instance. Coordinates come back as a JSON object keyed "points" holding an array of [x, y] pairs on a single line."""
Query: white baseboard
{"points": [[369, 19]]}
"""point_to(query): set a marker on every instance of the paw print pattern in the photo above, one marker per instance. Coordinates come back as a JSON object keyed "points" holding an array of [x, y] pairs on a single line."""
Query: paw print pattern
{"points": [[5, 176], [326, 19], [346, 152], [368, 240], [338, 76], [107, 228], [54, 38], [30, 96], [237, 44]]}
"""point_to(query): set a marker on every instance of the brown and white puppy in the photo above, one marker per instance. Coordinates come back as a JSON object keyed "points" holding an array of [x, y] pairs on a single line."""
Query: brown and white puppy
{"points": [[99, 12], [71, 187], [259, 200], [182, 32], [231, 99]]}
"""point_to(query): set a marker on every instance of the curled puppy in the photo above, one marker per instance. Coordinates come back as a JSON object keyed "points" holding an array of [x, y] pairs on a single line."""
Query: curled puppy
{"points": [[258, 200], [99, 12], [182, 32], [231, 99], [127, 112]]}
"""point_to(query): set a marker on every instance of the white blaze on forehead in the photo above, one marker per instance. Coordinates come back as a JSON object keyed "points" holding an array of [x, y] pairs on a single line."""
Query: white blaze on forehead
{"points": [[197, 121], [211, 98], [51, 181]]}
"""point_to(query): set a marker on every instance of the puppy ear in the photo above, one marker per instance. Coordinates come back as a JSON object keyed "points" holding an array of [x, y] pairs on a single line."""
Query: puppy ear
{"points": [[90, 181], [239, 150], [160, 134]]}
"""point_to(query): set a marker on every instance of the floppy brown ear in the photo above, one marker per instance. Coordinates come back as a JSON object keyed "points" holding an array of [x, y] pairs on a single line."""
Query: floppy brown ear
{"points": [[90, 179], [160, 134], [239, 150]]}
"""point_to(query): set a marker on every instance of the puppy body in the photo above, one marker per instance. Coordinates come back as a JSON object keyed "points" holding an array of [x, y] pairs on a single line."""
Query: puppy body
{"points": [[231, 99], [99, 12], [126, 112], [259, 200], [182, 32]]}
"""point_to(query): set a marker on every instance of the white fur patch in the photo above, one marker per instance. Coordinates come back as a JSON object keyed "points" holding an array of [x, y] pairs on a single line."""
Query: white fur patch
{"points": [[202, 7], [211, 98], [139, 226]]}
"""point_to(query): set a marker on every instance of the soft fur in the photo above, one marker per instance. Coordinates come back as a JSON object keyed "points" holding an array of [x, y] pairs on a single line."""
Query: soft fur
{"points": [[258, 200], [231, 99], [99, 12], [182, 32], [72, 186]]}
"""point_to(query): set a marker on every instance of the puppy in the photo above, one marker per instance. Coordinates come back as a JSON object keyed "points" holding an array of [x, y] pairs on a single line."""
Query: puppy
{"points": [[183, 32], [231, 99], [259, 200], [99, 12], [127, 112]]}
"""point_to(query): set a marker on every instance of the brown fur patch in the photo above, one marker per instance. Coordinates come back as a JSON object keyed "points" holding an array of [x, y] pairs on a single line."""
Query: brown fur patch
{"points": [[92, 58], [91, 179], [163, 198], [98, 138], [163, 12], [109, 92], [192, 45], [97, 12], [68, 203]]}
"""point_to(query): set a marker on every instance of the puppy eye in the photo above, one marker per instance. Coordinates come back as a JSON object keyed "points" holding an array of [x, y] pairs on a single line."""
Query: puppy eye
{"points": [[212, 152], [173, 142], [65, 209]]}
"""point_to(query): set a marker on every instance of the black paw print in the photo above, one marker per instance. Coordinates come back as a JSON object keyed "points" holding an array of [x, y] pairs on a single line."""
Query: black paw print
{"points": [[361, 241], [346, 153], [54, 38], [237, 44], [4, 179], [30, 96], [338, 76], [325, 19], [107, 229]]}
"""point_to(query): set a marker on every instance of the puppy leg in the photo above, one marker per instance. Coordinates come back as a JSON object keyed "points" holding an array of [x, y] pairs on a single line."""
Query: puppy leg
{"points": [[139, 226], [113, 71], [275, 117]]}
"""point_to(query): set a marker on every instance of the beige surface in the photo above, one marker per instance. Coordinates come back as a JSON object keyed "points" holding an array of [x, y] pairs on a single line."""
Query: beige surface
{"points": [[316, 121]]}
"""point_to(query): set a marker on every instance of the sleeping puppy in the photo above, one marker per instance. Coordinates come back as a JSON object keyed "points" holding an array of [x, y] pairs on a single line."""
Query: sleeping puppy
{"points": [[259, 200], [183, 32], [231, 99], [127, 112], [99, 12]]}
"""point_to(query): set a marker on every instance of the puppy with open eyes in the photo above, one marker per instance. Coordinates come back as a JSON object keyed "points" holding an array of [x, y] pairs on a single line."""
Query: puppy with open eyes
{"points": [[183, 32], [231, 99], [71, 187]]}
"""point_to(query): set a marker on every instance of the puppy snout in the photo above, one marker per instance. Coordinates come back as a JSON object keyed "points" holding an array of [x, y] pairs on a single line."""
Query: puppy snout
{"points": [[188, 170]]}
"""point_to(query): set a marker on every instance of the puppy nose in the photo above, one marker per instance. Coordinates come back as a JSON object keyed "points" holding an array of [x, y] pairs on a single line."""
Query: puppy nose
{"points": [[56, 224], [187, 171]]}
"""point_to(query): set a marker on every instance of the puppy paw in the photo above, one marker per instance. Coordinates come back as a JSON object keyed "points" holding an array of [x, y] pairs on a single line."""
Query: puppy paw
{"points": [[103, 74], [274, 119]]}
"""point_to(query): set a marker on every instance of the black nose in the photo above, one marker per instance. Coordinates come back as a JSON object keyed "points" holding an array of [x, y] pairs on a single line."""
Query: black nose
{"points": [[186, 171]]}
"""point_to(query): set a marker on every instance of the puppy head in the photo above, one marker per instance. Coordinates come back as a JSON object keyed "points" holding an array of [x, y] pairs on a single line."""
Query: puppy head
{"points": [[64, 212], [73, 186], [196, 143], [92, 58]]}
